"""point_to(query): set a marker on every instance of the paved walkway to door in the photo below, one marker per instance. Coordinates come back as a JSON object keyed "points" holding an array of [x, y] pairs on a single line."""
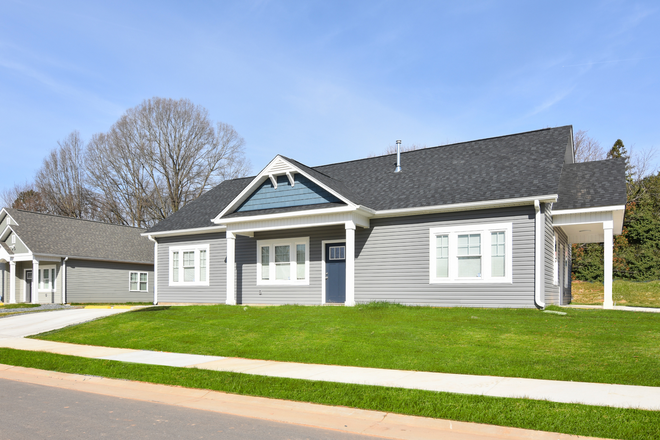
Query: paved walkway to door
{"points": [[13, 329]]}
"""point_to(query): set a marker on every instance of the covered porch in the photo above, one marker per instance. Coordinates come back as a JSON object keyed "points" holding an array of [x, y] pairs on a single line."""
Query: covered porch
{"points": [[594, 225]]}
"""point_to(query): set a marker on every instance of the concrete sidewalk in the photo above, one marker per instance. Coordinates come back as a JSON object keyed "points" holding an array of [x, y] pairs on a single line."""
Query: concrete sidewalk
{"points": [[621, 396]]}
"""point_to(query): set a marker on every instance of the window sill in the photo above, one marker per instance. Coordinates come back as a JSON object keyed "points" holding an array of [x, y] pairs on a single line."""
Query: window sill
{"points": [[195, 284], [283, 283], [472, 281]]}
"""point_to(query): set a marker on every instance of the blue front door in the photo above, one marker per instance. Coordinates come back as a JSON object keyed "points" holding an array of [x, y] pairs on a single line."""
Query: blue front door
{"points": [[335, 273]]}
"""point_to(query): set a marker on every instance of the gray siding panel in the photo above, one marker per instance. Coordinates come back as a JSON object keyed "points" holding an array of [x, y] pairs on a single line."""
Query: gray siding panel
{"points": [[392, 261], [215, 292], [246, 258], [100, 281]]}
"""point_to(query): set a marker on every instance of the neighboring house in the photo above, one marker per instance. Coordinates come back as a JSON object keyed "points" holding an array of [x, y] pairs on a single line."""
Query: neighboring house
{"points": [[486, 223], [52, 259]]}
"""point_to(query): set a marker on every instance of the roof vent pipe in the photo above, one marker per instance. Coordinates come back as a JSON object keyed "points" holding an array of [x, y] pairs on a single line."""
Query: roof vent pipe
{"points": [[398, 156]]}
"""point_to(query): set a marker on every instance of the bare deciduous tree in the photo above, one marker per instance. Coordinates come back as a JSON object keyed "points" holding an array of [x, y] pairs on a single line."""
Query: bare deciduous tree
{"points": [[61, 180], [587, 149], [392, 149], [25, 197], [158, 157]]}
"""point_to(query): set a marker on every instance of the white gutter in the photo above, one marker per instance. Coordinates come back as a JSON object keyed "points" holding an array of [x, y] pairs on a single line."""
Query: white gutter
{"points": [[192, 231], [538, 255], [64, 280], [155, 268]]}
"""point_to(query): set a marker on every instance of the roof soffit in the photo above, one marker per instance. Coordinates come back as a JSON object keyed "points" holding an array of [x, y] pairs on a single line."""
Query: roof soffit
{"points": [[277, 167]]}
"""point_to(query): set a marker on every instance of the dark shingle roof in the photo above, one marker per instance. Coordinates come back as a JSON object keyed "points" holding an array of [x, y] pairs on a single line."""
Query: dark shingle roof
{"points": [[592, 184], [514, 166], [64, 236], [199, 213]]}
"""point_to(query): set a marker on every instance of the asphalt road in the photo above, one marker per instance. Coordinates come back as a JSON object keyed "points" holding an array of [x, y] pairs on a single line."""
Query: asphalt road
{"points": [[38, 412]]}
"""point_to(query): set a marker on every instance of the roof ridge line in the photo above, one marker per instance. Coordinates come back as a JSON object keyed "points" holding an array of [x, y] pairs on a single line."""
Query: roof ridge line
{"points": [[74, 218]]}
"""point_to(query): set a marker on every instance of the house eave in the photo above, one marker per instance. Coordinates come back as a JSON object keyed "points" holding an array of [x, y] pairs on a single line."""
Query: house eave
{"points": [[471, 206], [284, 215], [191, 231]]}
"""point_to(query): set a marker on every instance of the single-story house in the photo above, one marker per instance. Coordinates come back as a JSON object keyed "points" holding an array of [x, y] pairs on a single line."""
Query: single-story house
{"points": [[486, 223], [52, 259]]}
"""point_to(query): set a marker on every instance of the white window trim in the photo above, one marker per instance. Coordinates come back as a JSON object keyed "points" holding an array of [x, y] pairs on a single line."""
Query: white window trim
{"points": [[40, 279], [485, 230], [192, 248], [291, 242], [138, 283]]}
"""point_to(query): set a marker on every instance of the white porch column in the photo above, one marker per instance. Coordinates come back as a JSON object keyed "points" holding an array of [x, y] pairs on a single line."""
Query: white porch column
{"points": [[350, 263], [12, 282], [608, 247], [231, 263], [35, 282]]}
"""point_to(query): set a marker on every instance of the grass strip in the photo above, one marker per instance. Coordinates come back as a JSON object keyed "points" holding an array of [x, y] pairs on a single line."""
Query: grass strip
{"points": [[602, 346], [521, 413], [19, 306]]}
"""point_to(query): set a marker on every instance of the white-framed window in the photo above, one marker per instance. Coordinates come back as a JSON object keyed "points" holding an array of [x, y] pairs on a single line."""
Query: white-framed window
{"points": [[471, 254], [189, 265], [283, 261], [138, 281], [46, 279]]}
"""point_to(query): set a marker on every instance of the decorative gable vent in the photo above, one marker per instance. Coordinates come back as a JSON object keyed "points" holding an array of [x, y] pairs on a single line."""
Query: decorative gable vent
{"points": [[278, 167]]}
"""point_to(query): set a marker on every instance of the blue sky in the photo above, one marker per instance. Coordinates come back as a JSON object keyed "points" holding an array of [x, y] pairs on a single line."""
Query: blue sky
{"points": [[330, 81]]}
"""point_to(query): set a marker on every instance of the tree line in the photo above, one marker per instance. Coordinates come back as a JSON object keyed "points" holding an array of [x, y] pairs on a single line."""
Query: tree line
{"points": [[155, 159]]}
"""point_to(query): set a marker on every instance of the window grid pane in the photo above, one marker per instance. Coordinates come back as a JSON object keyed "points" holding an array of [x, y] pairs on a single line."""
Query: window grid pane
{"points": [[300, 261], [175, 267], [189, 267], [497, 254], [143, 282], [282, 266], [442, 256], [265, 262], [202, 265], [134, 284]]}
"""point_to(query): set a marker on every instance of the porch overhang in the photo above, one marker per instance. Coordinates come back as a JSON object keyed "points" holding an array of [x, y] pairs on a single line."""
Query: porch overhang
{"points": [[594, 225]]}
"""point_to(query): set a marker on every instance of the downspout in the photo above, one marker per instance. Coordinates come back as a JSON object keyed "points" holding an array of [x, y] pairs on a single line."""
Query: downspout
{"points": [[538, 256], [155, 269], [64, 280]]}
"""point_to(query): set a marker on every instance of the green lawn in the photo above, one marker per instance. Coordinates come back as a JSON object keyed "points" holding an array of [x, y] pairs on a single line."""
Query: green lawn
{"points": [[624, 293], [584, 345], [522, 413], [18, 306]]}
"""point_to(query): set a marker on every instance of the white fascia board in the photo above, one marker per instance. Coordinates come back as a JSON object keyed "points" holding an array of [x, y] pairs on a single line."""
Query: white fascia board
{"points": [[306, 213], [194, 231], [263, 175], [471, 206], [588, 210], [73, 257]]}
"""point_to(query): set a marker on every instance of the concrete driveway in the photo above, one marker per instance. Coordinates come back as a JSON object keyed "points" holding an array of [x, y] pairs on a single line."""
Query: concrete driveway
{"points": [[34, 323]]}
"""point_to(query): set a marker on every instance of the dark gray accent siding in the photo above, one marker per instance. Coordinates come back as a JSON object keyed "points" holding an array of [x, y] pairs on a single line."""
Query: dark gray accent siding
{"points": [[392, 261], [101, 282], [550, 288], [215, 292], [248, 292]]}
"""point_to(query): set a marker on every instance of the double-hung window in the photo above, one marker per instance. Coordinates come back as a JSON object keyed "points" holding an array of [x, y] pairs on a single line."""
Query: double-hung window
{"points": [[283, 261], [189, 265], [138, 281], [471, 254], [46, 279]]}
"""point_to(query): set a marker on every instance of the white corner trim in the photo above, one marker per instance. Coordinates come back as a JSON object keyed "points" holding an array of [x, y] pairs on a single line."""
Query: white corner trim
{"points": [[539, 220], [267, 173]]}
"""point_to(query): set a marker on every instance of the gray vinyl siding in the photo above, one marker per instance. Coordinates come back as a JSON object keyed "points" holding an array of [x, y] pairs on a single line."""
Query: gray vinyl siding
{"points": [[102, 282], [20, 247], [551, 289], [215, 292], [4, 223], [248, 292], [392, 261]]}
